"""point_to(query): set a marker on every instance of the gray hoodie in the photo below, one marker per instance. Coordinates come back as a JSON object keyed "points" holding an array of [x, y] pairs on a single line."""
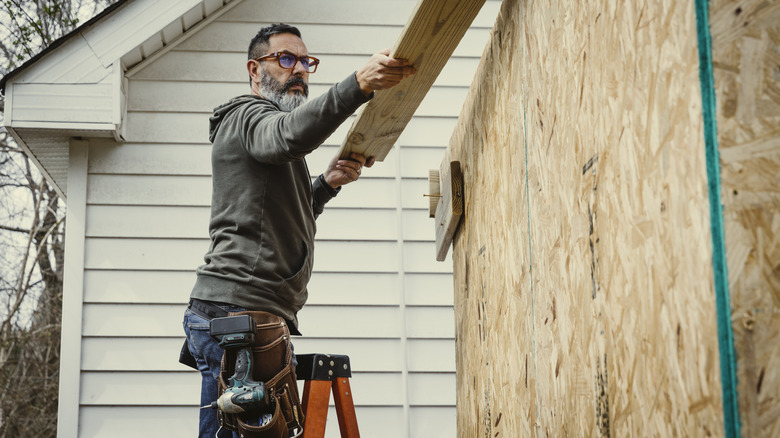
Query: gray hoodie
{"points": [[263, 201]]}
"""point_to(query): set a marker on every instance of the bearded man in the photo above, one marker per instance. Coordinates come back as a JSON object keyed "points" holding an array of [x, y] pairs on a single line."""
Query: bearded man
{"points": [[264, 202]]}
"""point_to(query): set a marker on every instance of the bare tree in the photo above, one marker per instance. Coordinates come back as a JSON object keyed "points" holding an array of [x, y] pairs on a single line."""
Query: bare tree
{"points": [[32, 221]]}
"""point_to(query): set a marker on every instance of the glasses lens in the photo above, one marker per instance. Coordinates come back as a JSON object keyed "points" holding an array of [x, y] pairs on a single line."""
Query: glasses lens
{"points": [[310, 63], [287, 60]]}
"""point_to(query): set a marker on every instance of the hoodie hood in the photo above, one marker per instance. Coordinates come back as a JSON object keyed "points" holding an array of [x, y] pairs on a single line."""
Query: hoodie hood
{"points": [[223, 110]]}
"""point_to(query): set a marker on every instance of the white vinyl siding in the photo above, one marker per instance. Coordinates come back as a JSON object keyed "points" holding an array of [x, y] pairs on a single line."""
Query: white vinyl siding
{"points": [[377, 293], [86, 102]]}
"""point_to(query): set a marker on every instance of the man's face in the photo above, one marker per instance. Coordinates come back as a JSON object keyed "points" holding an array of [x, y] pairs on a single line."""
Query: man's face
{"points": [[287, 87]]}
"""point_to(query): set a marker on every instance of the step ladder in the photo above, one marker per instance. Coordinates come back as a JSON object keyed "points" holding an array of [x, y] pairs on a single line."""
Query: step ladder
{"points": [[323, 374]]}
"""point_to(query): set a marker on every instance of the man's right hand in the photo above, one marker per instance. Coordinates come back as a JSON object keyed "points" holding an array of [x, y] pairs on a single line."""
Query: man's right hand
{"points": [[382, 72]]}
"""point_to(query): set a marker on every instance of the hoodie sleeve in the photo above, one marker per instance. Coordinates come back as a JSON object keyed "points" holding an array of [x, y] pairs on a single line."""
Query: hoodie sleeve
{"points": [[321, 194], [273, 136]]}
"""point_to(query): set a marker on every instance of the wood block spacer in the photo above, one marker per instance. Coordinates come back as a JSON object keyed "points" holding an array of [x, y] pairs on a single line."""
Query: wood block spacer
{"points": [[446, 205]]}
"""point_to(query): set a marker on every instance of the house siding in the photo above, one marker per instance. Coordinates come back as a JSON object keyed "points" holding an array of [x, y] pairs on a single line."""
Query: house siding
{"points": [[377, 293]]}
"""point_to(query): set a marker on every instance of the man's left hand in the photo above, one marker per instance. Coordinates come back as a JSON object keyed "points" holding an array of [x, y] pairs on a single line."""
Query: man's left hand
{"points": [[345, 171]]}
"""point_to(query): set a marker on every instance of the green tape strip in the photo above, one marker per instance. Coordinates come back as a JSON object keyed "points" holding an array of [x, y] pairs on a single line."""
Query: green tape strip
{"points": [[530, 248], [728, 364]]}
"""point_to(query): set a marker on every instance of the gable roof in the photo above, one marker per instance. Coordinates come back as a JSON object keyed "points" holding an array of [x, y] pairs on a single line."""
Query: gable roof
{"points": [[60, 41], [77, 86]]}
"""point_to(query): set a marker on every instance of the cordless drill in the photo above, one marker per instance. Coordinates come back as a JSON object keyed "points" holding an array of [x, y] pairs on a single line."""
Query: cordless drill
{"points": [[243, 393]]}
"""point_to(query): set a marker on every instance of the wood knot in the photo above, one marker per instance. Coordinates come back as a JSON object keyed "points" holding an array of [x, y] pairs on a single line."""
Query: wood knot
{"points": [[356, 138], [748, 321]]}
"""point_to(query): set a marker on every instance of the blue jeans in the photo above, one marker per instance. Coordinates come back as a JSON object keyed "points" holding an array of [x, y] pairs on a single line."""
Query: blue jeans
{"points": [[208, 355]]}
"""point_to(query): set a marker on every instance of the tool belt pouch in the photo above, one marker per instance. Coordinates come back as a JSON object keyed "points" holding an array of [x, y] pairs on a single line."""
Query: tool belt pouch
{"points": [[272, 364]]}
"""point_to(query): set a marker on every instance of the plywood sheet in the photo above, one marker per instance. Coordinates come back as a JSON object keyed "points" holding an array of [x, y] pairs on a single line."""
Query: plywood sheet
{"points": [[746, 56], [583, 266]]}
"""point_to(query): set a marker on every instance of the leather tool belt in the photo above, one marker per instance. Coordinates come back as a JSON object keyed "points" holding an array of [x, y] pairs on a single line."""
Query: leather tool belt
{"points": [[273, 365]]}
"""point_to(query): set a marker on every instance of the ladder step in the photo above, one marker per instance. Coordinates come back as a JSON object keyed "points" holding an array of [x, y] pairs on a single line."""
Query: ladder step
{"points": [[323, 374], [322, 366]]}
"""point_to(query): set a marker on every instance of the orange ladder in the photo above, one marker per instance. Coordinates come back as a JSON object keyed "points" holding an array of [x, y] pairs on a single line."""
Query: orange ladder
{"points": [[322, 374]]}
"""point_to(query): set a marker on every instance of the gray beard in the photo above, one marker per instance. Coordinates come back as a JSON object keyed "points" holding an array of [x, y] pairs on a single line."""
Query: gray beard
{"points": [[279, 94]]}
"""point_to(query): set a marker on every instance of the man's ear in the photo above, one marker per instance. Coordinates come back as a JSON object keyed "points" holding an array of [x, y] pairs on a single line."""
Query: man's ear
{"points": [[253, 68]]}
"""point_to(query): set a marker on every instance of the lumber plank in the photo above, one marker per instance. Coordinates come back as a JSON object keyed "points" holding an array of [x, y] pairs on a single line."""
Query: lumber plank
{"points": [[427, 41]]}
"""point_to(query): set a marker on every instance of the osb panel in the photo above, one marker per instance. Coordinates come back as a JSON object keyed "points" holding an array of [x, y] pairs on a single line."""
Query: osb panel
{"points": [[494, 358], [746, 61], [583, 265]]}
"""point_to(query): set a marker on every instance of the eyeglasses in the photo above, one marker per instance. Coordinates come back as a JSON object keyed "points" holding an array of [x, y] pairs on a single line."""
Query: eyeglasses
{"points": [[288, 60]]}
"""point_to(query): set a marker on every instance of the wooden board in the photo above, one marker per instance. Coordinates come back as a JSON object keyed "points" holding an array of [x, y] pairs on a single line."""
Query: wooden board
{"points": [[745, 56], [427, 42], [583, 266]]}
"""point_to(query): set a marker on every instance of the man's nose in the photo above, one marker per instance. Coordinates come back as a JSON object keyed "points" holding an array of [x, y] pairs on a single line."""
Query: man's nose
{"points": [[298, 68]]}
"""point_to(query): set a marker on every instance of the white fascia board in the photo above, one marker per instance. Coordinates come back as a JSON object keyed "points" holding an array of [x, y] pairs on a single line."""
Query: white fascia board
{"points": [[128, 28], [71, 129]]}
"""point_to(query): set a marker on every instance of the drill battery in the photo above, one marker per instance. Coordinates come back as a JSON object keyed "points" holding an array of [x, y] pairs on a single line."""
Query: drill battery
{"points": [[233, 331]]}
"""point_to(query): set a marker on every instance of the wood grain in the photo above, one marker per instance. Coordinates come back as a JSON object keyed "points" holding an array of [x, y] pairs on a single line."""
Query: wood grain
{"points": [[427, 42], [583, 265]]}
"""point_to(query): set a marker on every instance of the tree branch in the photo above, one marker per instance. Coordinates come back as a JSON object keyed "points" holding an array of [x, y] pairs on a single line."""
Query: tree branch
{"points": [[14, 229]]}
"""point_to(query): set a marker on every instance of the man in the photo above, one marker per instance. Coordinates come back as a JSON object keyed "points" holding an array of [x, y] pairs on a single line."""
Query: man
{"points": [[263, 202]]}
